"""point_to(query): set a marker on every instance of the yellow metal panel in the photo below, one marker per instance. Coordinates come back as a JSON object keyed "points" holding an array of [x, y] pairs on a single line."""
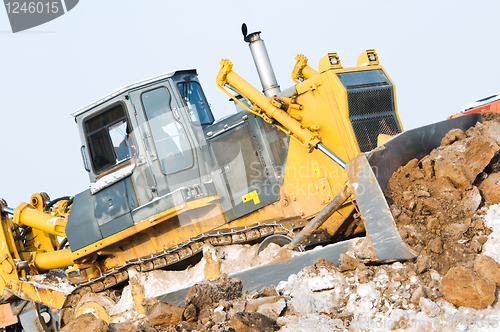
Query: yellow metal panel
{"points": [[27, 291]]}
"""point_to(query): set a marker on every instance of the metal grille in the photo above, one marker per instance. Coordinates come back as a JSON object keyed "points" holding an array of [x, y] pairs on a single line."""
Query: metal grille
{"points": [[370, 101], [368, 129]]}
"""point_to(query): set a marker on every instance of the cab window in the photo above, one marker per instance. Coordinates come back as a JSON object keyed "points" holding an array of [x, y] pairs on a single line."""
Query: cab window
{"points": [[172, 147], [107, 138], [197, 105]]}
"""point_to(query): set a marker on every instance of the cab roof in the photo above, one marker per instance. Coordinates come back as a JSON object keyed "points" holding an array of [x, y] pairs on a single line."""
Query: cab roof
{"points": [[131, 87]]}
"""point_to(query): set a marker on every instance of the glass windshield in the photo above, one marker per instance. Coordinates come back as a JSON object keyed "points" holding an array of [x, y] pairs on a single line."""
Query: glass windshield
{"points": [[197, 106], [172, 147]]}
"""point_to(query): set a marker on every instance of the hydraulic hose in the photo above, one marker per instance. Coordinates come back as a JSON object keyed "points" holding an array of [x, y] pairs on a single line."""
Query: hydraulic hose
{"points": [[51, 203]]}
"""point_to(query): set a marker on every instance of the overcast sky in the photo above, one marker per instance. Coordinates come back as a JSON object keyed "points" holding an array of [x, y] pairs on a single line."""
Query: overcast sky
{"points": [[441, 55]]}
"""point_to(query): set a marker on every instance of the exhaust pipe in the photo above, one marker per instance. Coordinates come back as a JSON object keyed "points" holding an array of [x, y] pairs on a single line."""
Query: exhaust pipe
{"points": [[261, 58]]}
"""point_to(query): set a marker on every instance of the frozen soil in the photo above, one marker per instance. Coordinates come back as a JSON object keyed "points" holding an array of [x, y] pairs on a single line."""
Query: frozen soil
{"points": [[446, 210]]}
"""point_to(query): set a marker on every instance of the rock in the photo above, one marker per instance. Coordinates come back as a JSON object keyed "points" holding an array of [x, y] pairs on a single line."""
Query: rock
{"points": [[238, 306], [432, 223], [424, 263], [207, 292], [488, 268], [253, 305], [86, 322], [432, 204], [123, 327], [204, 316], [465, 288], [148, 327], [404, 219], [363, 273], [395, 210], [477, 154], [165, 314], [436, 245], [490, 116], [251, 322], [456, 229], [272, 307], [429, 307], [219, 316], [347, 263], [417, 294], [427, 166], [273, 310], [471, 199], [452, 136], [490, 189], [408, 195], [189, 313], [186, 327], [268, 291], [423, 193], [447, 169], [475, 245]]}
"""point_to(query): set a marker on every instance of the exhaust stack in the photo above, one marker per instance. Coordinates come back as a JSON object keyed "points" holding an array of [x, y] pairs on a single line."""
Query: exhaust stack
{"points": [[269, 83]]}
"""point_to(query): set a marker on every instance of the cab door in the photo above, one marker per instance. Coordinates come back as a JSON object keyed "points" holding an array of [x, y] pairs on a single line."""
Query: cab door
{"points": [[171, 151]]}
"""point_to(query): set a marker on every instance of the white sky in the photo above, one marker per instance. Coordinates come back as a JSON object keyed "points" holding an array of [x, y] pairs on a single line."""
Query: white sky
{"points": [[440, 54]]}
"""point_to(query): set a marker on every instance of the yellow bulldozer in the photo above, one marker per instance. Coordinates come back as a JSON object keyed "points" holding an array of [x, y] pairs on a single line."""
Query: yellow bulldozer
{"points": [[300, 167]]}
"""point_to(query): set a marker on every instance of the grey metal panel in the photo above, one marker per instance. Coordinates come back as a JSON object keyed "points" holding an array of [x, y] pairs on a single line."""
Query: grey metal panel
{"points": [[240, 150], [111, 203], [82, 228], [116, 225], [131, 195]]}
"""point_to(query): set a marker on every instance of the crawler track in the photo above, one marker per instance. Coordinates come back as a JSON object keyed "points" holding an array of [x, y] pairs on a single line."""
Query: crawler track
{"points": [[169, 257]]}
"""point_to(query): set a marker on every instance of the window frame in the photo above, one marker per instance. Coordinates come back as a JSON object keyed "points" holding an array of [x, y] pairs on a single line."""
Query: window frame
{"points": [[176, 119], [89, 144], [187, 108]]}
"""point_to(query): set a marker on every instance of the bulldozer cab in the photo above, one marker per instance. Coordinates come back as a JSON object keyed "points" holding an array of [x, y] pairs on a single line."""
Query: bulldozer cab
{"points": [[154, 146], [142, 150]]}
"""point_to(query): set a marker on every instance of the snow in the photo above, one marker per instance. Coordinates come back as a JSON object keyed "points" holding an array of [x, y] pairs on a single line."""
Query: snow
{"points": [[492, 220], [53, 283]]}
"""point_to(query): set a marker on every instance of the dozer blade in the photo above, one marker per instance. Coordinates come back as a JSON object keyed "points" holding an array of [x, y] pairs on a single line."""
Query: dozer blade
{"points": [[368, 174]]}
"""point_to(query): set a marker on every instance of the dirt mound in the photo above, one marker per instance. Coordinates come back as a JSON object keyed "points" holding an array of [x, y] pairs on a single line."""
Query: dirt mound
{"points": [[436, 201]]}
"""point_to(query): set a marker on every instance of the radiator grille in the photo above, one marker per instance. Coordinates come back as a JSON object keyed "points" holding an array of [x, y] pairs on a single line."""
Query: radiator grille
{"points": [[371, 101], [368, 129], [372, 111]]}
